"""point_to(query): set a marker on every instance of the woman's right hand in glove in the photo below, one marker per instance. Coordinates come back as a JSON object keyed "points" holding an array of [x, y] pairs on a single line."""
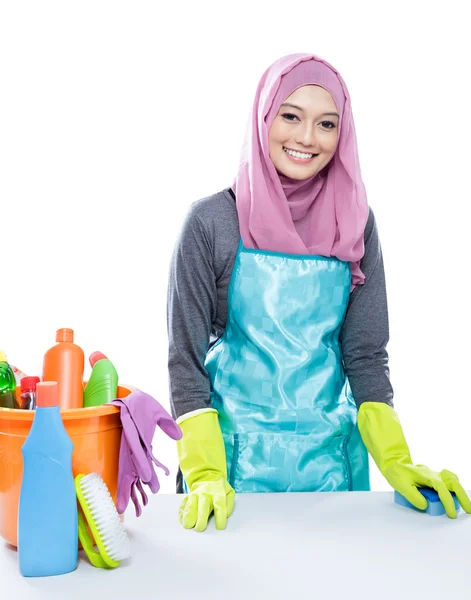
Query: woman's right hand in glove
{"points": [[202, 458]]}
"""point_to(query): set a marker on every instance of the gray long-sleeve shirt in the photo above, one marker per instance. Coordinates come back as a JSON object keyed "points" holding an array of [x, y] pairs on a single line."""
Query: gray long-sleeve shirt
{"points": [[200, 272]]}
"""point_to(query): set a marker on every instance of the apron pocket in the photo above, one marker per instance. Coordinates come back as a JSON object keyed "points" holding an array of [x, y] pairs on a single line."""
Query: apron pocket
{"points": [[286, 462]]}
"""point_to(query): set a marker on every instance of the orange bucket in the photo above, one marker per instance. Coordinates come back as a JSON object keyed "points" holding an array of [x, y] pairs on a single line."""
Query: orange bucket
{"points": [[95, 433]]}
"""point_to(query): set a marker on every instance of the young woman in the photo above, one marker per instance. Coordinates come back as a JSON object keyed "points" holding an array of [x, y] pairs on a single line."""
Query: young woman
{"points": [[278, 319]]}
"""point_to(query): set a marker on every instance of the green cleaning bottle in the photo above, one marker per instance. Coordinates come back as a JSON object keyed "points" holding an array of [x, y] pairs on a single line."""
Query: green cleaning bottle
{"points": [[103, 383], [8, 397]]}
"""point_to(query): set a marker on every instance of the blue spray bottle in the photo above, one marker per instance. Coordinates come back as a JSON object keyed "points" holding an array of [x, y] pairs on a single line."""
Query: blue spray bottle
{"points": [[47, 511]]}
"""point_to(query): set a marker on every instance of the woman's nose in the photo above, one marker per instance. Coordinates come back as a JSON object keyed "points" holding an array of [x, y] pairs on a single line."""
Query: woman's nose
{"points": [[306, 136]]}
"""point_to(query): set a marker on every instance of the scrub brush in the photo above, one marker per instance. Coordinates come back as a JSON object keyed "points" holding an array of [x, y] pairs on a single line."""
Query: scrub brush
{"points": [[104, 522]]}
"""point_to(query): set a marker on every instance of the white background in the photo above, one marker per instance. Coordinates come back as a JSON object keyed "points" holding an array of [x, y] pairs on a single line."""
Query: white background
{"points": [[115, 116]]}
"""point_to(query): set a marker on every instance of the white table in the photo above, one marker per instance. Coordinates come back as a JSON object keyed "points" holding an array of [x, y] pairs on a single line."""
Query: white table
{"points": [[343, 545]]}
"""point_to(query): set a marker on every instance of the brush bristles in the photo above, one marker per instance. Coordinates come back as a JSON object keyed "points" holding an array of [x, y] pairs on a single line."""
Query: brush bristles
{"points": [[106, 518]]}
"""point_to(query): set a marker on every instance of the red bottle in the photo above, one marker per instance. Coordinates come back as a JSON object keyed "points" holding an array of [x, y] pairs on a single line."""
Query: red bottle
{"points": [[28, 392]]}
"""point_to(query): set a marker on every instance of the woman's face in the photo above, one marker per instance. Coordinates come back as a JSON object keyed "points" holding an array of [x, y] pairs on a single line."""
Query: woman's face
{"points": [[303, 136]]}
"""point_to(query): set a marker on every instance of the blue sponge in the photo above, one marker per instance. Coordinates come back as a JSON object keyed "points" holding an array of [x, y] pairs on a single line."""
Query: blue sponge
{"points": [[435, 508]]}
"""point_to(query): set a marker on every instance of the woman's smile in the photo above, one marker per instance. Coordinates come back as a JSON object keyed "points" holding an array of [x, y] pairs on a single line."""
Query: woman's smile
{"points": [[299, 157]]}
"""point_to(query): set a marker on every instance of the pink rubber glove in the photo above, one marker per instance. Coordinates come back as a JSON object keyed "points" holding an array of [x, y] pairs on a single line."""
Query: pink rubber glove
{"points": [[140, 413]]}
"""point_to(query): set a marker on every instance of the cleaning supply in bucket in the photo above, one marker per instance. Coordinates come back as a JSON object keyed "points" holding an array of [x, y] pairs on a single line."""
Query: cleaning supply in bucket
{"points": [[8, 397], [19, 374], [100, 513], [28, 392], [103, 383], [64, 362], [47, 510]]}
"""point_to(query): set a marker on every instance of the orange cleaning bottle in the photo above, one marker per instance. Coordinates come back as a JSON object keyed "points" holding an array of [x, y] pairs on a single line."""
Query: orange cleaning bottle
{"points": [[64, 363]]}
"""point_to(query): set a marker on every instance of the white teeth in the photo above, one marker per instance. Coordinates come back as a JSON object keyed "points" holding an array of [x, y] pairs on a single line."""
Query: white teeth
{"points": [[298, 154]]}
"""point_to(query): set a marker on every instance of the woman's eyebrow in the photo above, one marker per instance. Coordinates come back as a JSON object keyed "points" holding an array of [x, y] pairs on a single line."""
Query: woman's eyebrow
{"points": [[291, 105], [333, 114]]}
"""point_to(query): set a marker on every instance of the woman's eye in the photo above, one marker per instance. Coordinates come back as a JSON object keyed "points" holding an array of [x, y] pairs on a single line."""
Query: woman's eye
{"points": [[289, 116], [326, 123]]}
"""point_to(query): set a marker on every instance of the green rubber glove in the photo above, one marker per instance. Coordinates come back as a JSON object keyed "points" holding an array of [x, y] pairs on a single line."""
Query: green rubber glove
{"points": [[382, 434], [202, 457]]}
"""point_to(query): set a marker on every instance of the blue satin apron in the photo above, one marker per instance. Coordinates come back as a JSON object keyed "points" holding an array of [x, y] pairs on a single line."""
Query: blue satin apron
{"points": [[285, 407]]}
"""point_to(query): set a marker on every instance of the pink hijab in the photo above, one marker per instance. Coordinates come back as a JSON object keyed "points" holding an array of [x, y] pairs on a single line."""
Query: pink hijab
{"points": [[323, 215]]}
